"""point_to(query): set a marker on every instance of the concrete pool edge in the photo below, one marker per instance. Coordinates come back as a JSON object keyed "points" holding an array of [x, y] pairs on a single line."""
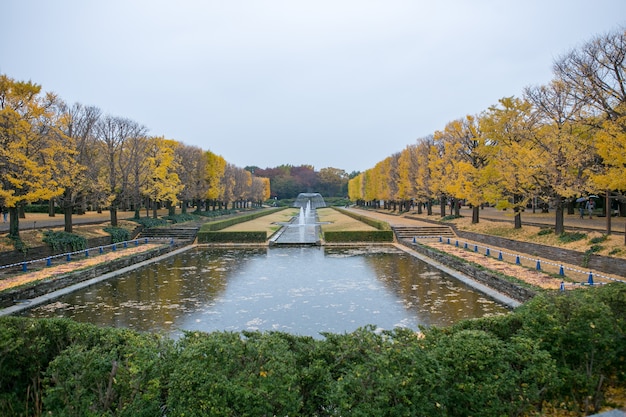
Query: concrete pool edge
{"points": [[45, 298], [495, 295]]}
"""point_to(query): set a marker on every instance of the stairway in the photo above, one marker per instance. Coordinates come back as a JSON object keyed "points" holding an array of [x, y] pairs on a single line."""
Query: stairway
{"points": [[410, 232], [178, 233]]}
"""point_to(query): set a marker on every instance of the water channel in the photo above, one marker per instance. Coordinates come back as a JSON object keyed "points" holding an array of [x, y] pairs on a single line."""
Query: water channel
{"points": [[301, 290]]}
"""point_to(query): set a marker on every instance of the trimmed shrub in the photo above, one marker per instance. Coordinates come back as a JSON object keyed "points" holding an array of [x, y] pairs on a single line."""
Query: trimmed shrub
{"points": [[234, 237], [118, 234], [222, 224], [60, 241], [378, 224], [149, 222], [557, 351], [359, 236]]}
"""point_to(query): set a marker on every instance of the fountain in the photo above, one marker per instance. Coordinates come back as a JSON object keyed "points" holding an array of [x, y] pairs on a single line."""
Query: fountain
{"points": [[303, 229], [313, 200]]}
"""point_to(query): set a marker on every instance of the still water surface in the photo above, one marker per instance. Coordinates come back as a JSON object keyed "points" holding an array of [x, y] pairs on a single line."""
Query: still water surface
{"points": [[300, 290]]}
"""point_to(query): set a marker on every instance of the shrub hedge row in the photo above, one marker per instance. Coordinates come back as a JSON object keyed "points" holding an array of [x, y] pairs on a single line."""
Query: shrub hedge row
{"points": [[211, 232], [358, 236], [222, 224], [378, 224], [382, 234], [234, 236], [561, 350]]}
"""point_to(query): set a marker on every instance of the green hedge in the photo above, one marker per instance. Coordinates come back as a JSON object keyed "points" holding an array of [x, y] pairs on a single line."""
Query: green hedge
{"points": [[234, 237], [210, 232], [118, 234], [378, 224], [222, 224], [60, 241], [359, 236], [558, 351]]}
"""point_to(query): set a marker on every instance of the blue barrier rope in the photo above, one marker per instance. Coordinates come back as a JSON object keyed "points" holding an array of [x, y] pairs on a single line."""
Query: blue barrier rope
{"points": [[537, 262], [68, 255]]}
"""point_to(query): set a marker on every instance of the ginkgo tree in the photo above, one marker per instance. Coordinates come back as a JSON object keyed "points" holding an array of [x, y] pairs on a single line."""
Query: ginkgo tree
{"points": [[192, 172], [464, 156], [77, 122], [163, 184], [214, 174], [596, 75], [515, 177], [31, 147], [564, 146]]}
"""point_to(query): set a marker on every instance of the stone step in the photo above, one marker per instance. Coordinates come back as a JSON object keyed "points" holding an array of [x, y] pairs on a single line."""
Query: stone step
{"points": [[409, 232], [185, 233]]}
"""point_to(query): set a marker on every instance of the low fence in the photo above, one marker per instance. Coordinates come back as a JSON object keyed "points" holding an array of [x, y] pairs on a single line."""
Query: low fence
{"points": [[69, 256], [576, 276]]}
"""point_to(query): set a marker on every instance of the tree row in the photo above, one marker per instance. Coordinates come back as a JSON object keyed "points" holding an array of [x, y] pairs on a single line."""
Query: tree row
{"points": [[557, 144], [78, 158]]}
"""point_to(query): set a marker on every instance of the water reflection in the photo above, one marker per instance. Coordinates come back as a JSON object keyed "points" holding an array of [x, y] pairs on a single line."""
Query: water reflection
{"points": [[304, 291]]}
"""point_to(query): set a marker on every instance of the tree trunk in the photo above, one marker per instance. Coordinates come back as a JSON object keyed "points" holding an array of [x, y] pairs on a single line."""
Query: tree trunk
{"points": [[67, 216], [14, 223], [559, 226], [429, 208], [607, 210], [51, 207], [442, 204], [475, 214], [113, 211], [518, 220], [457, 207]]}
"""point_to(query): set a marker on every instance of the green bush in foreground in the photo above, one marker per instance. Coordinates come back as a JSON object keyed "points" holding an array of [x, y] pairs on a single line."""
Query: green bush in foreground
{"points": [[564, 350]]}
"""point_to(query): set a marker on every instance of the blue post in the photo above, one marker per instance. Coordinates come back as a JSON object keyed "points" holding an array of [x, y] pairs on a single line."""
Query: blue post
{"points": [[146, 240], [456, 244], [562, 288], [414, 240], [440, 239], [561, 271], [475, 248], [136, 242], [69, 257], [465, 245], [172, 241], [125, 244], [487, 252], [448, 241], [114, 247], [538, 265], [517, 261], [24, 267], [500, 256], [48, 262], [590, 280], [101, 250], [86, 253]]}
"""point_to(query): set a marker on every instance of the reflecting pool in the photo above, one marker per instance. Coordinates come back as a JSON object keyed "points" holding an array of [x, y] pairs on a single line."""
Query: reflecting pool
{"points": [[300, 290]]}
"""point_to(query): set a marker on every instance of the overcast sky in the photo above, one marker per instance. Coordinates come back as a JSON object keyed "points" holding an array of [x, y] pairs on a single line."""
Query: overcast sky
{"points": [[328, 83]]}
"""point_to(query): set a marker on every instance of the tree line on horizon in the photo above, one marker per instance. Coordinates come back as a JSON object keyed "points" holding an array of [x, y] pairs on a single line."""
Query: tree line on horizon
{"points": [[287, 181], [556, 144]]}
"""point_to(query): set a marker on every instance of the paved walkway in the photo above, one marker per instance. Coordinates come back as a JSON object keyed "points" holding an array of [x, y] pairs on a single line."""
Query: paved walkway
{"points": [[572, 221], [43, 220]]}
